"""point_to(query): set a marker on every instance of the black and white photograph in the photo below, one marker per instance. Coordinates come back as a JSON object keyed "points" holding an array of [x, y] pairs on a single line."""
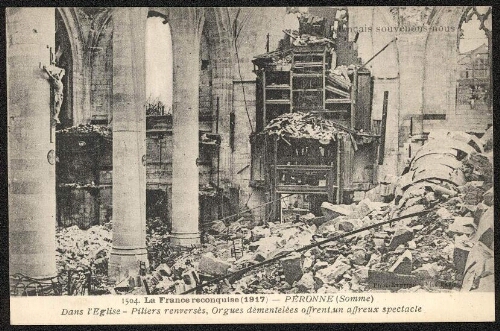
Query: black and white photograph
{"points": [[269, 159]]}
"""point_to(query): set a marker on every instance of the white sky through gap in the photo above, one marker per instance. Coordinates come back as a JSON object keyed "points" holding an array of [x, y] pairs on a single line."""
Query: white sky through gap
{"points": [[159, 61]]}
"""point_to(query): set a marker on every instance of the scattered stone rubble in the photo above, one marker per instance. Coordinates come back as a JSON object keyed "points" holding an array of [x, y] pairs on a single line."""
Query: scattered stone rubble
{"points": [[311, 126], [449, 248], [83, 250], [104, 131]]}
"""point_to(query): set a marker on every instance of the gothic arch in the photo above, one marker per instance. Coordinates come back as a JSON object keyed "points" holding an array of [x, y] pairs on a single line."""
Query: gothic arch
{"points": [[80, 96], [439, 76]]}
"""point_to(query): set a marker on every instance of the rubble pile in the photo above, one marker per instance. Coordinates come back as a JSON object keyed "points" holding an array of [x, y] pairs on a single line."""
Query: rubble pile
{"points": [[300, 125], [104, 131], [275, 58], [308, 40], [79, 186], [85, 249], [339, 78], [447, 248]]}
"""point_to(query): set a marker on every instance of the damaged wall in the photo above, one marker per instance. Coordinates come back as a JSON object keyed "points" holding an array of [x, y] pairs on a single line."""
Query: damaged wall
{"points": [[422, 87], [407, 69]]}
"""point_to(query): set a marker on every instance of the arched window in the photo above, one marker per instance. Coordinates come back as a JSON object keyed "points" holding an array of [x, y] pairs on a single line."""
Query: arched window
{"points": [[474, 60], [159, 78]]}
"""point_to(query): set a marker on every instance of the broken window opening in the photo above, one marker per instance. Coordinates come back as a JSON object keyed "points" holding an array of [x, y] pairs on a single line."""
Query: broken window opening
{"points": [[159, 66], [474, 60]]}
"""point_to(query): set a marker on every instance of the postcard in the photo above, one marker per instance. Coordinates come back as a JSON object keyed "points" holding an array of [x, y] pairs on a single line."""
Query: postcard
{"points": [[250, 164]]}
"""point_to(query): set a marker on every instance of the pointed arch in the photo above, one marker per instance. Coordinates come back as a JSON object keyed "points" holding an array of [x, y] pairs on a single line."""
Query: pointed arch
{"points": [[80, 98]]}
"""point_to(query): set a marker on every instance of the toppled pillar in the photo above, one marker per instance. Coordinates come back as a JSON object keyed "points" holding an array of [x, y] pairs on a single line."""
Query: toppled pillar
{"points": [[31, 143], [129, 143]]}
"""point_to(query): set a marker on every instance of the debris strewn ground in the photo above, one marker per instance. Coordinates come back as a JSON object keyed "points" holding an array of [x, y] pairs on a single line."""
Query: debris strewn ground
{"points": [[449, 248]]}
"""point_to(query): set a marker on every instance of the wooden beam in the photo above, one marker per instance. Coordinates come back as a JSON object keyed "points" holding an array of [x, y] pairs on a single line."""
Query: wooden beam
{"points": [[381, 150]]}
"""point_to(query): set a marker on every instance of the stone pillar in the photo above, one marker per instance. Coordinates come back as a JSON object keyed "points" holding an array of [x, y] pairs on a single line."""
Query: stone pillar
{"points": [[186, 24], [411, 63], [129, 143], [31, 144]]}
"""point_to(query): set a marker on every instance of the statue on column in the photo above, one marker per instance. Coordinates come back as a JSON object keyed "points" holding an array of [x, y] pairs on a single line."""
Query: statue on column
{"points": [[55, 76]]}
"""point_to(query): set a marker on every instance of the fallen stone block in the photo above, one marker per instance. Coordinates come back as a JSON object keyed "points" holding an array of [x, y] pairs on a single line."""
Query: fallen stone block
{"points": [[430, 160], [212, 266], [218, 227], [292, 267], [306, 284], [125, 285], [375, 194], [266, 244], [164, 270], [331, 211], [484, 232], [346, 225], [307, 264], [190, 279], [403, 264], [379, 242], [488, 197], [358, 196], [358, 256], [259, 257], [328, 227], [479, 270], [453, 141], [430, 197], [460, 255], [317, 221], [332, 273], [487, 139], [308, 217], [320, 265], [444, 213], [401, 237], [259, 232], [362, 273], [364, 207], [463, 225]]}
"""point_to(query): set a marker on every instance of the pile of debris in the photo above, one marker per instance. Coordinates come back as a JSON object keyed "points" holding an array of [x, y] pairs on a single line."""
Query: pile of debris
{"points": [[308, 40], [338, 81], [300, 125], [77, 248], [448, 247], [276, 59], [453, 172], [104, 131], [91, 185]]}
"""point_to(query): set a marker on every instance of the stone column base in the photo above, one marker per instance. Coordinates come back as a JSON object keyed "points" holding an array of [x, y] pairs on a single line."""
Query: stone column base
{"points": [[125, 262], [185, 239]]}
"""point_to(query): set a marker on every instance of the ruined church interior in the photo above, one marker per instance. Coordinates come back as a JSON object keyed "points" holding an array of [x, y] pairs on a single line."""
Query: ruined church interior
{"points": [[249, 150]]}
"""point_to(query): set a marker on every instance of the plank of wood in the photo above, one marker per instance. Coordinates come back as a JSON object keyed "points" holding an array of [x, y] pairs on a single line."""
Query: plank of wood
{"points": [[337, 91]]}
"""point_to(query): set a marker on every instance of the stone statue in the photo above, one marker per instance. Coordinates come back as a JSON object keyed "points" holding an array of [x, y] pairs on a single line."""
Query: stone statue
{"points": [[333, 64], [57, 88]]}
